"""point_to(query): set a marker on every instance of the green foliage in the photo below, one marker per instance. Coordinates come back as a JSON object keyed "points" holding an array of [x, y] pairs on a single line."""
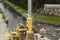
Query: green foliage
{"points": [[21, 3], [47, 18], [36, 3], [3, 17], [19, 9], [1, 11], [43, 18]]}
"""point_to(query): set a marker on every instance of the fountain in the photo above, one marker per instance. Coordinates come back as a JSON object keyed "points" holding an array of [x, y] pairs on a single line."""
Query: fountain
{"points": [[43, 32]]}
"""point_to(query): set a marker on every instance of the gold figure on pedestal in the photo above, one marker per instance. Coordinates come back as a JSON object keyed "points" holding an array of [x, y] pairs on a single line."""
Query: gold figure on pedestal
{"points": [[17, 31], [29, 24], [12, 35], [20, 33], [42, 32], [30, 35]]}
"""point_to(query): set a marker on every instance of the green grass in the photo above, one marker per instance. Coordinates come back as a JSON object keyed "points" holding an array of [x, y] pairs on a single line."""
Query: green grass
{"points": [[47, 18], [42, 18]]}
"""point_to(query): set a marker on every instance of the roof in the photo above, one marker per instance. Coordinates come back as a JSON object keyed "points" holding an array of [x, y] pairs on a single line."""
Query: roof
{"points": [[52, 5]]}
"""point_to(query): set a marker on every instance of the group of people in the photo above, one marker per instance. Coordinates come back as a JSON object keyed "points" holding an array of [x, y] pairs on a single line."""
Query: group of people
{"points": [[40, 10]]}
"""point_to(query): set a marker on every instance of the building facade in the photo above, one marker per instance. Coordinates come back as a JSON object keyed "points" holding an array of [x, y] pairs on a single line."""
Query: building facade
{"points": [[53, 9]]}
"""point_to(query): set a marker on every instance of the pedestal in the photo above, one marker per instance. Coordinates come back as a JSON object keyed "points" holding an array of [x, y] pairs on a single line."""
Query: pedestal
{"points": [[17, 38], [30, 36]]}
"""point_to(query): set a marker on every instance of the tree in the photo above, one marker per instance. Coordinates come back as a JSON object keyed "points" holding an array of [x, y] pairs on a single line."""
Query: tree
{"points": [[35, 3]]}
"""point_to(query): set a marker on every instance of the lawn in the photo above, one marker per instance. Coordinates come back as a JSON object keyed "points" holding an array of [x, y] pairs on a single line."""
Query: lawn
{"points": [[43, 18], [47, 18]]}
